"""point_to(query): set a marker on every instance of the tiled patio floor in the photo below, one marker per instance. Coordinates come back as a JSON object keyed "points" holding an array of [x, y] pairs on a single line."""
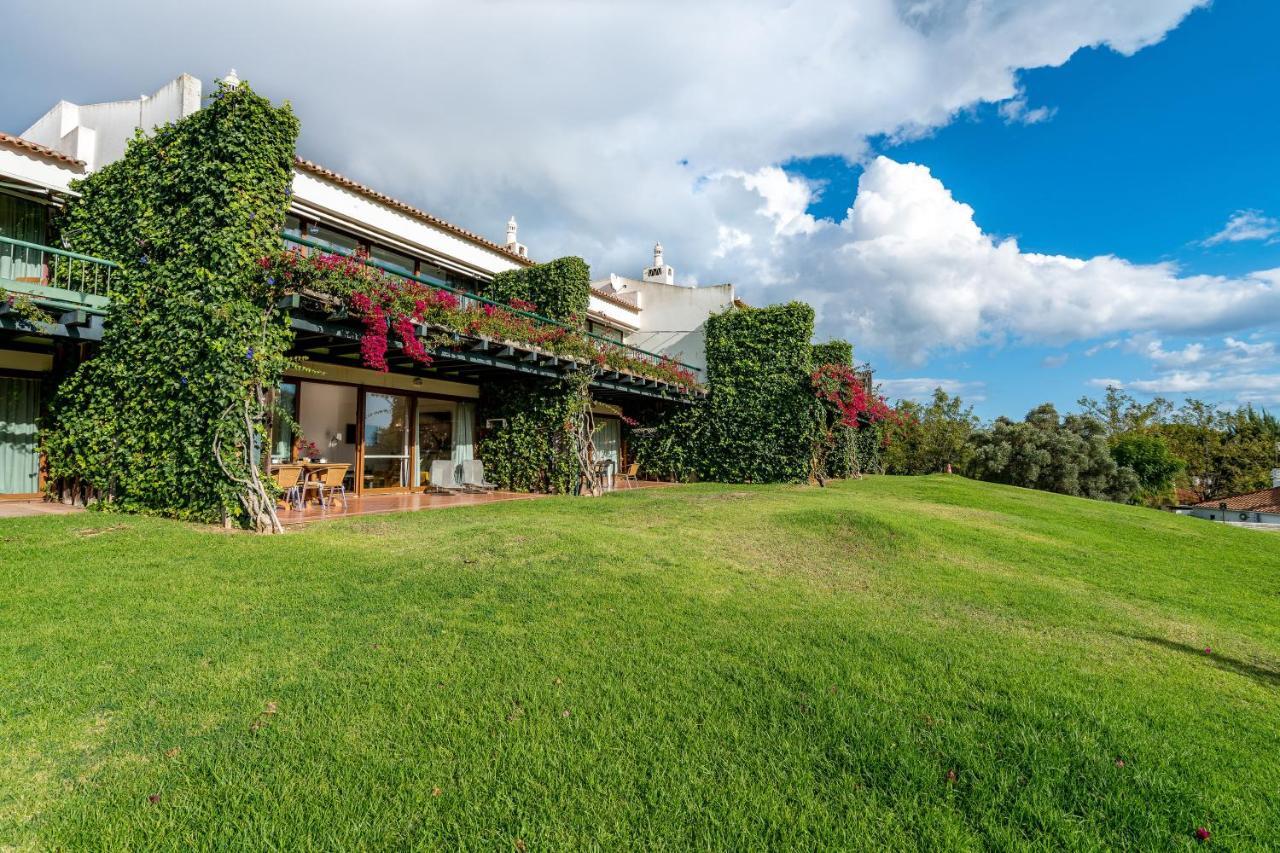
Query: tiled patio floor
{"points": [[26, 509], [379, 504]]}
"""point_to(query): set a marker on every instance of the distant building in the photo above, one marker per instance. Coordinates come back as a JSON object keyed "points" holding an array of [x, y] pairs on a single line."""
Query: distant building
{"points": [[655, 313], [1260, 507]]}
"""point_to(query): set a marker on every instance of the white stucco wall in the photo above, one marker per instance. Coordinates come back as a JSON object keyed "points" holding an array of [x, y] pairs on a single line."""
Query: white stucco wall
{"points": [[673, 317], [98, 133], [23, 167], [313, 193], [1234, 515]]}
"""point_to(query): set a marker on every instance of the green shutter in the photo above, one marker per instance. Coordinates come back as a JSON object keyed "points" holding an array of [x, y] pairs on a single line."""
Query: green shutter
{"points": [[19, 450]]}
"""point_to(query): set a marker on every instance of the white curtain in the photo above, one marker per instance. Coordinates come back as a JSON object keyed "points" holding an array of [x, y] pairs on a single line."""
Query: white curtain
{"points": [[464, 430]]}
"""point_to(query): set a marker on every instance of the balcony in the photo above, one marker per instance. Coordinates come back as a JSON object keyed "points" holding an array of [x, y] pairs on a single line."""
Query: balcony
{"points": [[74, 289], [326, 332]]}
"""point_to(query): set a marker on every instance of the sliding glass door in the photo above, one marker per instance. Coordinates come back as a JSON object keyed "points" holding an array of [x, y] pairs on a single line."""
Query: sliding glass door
{"points": [[387, 430]]}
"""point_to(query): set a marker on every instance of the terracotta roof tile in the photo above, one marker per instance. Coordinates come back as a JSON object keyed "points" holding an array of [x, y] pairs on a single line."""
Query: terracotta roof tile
{"points": [[40, 150], [609, 297], [381, 198], [1266, 500]]}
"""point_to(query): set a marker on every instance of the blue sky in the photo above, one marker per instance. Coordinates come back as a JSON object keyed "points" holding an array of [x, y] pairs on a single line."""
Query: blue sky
{"points": [[1144, 157]]}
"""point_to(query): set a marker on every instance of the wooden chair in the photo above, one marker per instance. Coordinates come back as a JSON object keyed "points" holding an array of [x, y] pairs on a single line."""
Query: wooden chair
{"points": [[630, 474], [289, 479], [329, 479]]}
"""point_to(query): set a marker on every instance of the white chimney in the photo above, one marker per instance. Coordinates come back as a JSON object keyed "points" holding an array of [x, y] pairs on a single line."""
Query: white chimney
{"points": [[659, 272], [513, 244], [1275, 478]]}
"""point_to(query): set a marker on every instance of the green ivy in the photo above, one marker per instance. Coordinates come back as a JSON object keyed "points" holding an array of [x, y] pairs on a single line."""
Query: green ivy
{"points": [[761, 416], [561, 289], [193, 339], [534, 450]]}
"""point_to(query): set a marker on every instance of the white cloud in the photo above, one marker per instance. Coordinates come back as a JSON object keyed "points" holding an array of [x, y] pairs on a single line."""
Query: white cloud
{"points": [[1245, 225], [920, 388], [1230, 369], [1016, 111], [909, 270], [598, 125], [1052, 361]]}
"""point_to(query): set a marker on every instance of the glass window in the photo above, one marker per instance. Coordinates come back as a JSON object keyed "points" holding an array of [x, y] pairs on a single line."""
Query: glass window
{"points": [[334, 239], [435, 435], [21, 219], [386, 440], [282, 427], [402, 264], [604, 331]]}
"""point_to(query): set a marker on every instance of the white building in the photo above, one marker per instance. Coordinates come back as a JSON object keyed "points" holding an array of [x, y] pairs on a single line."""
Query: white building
{"points": [[389, 425], [1260, 507], [655, 313]]}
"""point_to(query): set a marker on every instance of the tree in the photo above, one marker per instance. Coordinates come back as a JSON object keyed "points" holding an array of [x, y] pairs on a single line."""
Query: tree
{"points": [[1050, 453], [1120, 414], [1148, 455], [926, 439]]}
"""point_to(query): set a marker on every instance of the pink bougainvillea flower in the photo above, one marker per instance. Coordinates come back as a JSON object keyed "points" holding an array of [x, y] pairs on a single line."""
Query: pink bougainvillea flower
{"points": [[1208, 651], [153, 799], [1202, 834]]}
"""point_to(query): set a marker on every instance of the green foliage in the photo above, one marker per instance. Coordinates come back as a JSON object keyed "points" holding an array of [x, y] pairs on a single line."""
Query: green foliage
{"points": [[839, 453], [698, 668], [1067, 455], [833, 352], [667, 443], [926, 439], [192, 337], [534, 451], [1148, 456], [560, 289], [1120, 413], [762, 418], [1224, 452]]}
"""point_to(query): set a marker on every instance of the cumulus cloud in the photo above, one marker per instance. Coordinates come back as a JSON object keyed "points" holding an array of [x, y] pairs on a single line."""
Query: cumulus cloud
{"points": [[598, 124], [1016, 111], [1245, 225], [910, 271], [1229, 369]]}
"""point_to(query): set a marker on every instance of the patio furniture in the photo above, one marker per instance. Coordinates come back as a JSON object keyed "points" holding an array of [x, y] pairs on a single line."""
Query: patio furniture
{"points": [[604, 474], [631, 474], [444, 477], [473, 477], [289, 479], [326, 480]]}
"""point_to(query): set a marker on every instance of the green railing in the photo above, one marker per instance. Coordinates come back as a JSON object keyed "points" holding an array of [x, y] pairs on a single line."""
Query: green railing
{"points": [[32, 266], [467, 298]]}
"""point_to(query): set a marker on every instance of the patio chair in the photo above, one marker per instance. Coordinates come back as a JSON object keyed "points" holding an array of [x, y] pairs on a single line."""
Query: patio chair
{"points": [[328, 480], [473, 477], [289, 480], [630, 474], [444, 477]]}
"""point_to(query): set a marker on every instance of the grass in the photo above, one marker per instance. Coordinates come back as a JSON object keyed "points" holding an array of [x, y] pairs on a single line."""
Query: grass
{"points": [[897, 663]]}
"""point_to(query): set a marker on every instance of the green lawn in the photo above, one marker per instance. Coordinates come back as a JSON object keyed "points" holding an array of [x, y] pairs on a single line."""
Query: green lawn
{"points": [[897, 662]]}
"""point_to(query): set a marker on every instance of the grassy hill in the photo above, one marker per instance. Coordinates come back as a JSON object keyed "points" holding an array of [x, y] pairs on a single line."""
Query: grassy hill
{"points": [[897, 662]]}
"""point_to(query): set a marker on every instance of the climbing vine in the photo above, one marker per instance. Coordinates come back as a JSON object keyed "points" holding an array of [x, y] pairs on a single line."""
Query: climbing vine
{"points": [[390, 306], [848, 408], [170, 415]]}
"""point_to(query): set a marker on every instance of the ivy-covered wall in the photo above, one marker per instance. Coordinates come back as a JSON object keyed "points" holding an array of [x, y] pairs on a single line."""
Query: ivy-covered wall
{"points": [[559, 289], [761, 416], [839, 458], [192, 339], [534, 451]]}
